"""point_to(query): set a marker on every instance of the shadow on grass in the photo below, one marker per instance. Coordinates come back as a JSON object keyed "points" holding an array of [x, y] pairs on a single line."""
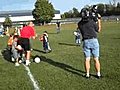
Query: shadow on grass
{"points": [[52, 33], [61, 65], [116, 38], [68, 44], [6, 54], [38, 50]]}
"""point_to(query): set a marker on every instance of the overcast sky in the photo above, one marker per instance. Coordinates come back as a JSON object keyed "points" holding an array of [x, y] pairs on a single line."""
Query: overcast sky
{"points": [[62, 5]]}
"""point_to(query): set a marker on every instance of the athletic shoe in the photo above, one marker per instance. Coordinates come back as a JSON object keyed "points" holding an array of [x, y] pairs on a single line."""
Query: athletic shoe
{"points": [[27, 62], [12, 59], [86, 76], [99, 77], [17, 64]]}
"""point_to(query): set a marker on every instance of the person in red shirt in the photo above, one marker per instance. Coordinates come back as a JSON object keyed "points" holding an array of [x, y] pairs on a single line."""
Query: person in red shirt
{"points": [[26, 34]]}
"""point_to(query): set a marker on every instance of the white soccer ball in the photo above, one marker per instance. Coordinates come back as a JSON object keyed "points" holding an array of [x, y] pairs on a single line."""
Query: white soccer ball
{"points": [[75, 33], [37, 60], [19, 47], [20, 61]]}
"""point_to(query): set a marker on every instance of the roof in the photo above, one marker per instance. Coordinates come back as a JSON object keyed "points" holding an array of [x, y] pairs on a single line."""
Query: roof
{"points": [[19, 13], [16, 13], [57, 12]]}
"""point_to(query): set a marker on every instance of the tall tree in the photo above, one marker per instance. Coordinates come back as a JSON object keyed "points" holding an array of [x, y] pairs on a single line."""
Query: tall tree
{"points": [[7, 22], [76, 13], [101, 9], [43, 12]]}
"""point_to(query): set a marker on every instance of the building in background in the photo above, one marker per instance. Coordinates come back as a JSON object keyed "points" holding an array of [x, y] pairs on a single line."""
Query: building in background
{"points": [[22, 15]]}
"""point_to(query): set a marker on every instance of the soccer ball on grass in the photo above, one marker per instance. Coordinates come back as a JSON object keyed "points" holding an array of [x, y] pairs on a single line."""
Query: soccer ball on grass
{"points": [[37, 60]]}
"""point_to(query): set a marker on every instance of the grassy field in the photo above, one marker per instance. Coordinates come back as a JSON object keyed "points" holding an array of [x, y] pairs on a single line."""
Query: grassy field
{"points": [[62, 69]]}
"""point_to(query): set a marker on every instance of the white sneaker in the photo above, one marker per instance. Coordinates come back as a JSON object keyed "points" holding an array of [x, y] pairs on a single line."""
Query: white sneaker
{"points": [[27, 62], [17, 64], [13, 59]]}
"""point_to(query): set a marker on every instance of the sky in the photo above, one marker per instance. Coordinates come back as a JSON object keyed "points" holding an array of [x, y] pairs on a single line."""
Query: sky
{"points": [[62, 5]]}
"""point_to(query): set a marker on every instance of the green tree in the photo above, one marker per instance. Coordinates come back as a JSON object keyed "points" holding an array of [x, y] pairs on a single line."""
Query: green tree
{"points": [[101, 9], [118, 9], [7, 22], [76, 13], [43, 12]]}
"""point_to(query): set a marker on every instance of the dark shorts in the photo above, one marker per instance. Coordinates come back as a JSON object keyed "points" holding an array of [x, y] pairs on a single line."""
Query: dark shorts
{"points": [[25, 43]]}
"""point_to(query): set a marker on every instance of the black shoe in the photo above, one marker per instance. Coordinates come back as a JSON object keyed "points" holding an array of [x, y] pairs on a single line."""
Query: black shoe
{"points": [[99, 77]]}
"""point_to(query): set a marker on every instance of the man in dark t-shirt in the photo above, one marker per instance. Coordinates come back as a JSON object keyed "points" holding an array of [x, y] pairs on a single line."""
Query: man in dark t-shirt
{"points": [[89, 28]]}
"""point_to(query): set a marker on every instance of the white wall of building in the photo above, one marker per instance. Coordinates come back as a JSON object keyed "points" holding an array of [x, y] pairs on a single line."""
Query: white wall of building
{"points": [[19, 18], [57, 16], [25, 18]]}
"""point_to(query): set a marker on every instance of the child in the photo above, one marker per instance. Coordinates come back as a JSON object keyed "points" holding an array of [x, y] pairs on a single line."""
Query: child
{"points": [[15, 49], [77, 37], [1, 31], [44, 39], [10, 41]]}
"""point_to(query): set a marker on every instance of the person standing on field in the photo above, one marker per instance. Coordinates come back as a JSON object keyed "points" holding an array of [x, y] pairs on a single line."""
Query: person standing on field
{"points": [[89, 28], [26, 33], [77, 37], [58, 25]]}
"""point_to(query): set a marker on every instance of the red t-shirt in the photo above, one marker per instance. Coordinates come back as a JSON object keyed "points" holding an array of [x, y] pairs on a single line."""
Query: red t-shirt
{"points": [[27, 32]]}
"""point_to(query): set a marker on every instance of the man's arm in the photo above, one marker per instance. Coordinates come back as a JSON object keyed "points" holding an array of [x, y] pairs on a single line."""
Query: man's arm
{"points": [[99, 25], [99, 22]]}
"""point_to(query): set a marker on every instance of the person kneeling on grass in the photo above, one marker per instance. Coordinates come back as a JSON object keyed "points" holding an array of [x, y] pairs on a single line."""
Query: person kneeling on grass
{"points": [[15, 50]]}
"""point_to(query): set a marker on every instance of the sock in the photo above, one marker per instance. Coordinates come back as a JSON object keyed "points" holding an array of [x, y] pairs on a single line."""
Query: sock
{"points": [[98, 73], [87, 74], [27, 61]]}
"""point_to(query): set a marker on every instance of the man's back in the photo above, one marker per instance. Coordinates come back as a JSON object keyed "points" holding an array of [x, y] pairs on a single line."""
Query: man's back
{"points": [[88, 29]]}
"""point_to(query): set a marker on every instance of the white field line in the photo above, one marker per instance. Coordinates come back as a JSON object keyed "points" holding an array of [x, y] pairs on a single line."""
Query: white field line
{"points": [[34, 82]]}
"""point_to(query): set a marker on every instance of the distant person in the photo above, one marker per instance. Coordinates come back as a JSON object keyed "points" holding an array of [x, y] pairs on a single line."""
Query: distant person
{"points": [[7, 31], [117, 19], [44, 39], [77, 37], [9, 43], [1, 31], [16, 31], [26, 34], [89, 29], [58, 25]]}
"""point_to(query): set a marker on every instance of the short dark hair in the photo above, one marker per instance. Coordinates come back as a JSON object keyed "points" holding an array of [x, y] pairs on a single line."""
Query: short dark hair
{"points": [[45, 31], [15, 36], [85, 14]]}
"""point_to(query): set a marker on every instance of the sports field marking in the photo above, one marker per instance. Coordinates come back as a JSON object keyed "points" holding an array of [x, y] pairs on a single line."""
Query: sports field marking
{"points": [[34, 82]]}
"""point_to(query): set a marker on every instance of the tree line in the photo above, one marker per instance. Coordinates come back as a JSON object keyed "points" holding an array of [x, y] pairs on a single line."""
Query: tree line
{"points": [[103, 10], [44, 12]]}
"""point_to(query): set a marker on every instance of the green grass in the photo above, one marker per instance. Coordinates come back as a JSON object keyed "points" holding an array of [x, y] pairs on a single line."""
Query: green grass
{"points": [[62, 69]]}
